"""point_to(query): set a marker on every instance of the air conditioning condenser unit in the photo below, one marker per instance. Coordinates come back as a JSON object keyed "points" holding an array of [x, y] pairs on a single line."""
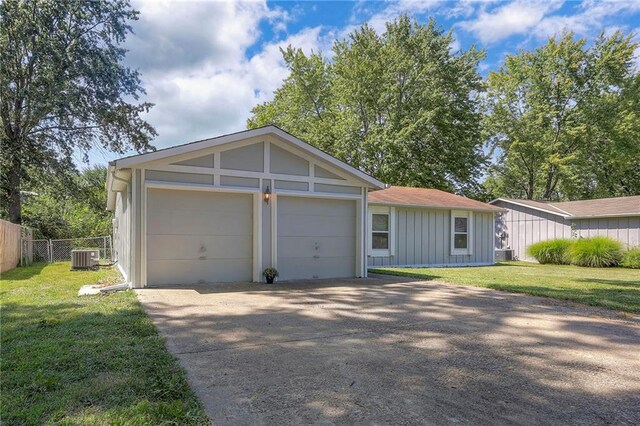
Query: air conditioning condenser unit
{"points": [[85, 259]]}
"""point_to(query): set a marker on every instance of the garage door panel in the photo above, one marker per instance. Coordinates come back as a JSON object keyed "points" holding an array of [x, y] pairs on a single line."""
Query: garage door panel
{"points": [[329, 267], [331, 226], [198, 236], [196, 222], [326, 246], [176, 272], [187, 247], [321, 207], [199, 200], [316, 237]]}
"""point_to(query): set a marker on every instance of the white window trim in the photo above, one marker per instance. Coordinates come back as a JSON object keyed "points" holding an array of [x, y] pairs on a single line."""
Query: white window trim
{"points": [[469, 216], [391, 211]]}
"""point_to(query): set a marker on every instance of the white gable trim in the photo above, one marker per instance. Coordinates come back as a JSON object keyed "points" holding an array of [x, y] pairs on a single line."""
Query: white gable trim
{"points": [[566, 216], [136, 160]]}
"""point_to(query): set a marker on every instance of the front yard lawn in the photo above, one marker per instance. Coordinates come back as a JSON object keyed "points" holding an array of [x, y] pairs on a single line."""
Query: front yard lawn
{"points": [[614, 288], [89, 360]]}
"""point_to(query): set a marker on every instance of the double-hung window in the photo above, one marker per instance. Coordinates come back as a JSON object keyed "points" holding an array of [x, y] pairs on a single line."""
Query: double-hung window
{"points": [[461, 232], [380, 231]]}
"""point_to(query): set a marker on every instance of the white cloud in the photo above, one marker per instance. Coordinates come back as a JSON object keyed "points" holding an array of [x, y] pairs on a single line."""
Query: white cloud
{"points": [[506, 20], [394, 9], [591, 18], [196, 67]]}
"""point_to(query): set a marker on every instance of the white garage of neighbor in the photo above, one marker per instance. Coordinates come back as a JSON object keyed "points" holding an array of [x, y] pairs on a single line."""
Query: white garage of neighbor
{"points": [[223, 209]]}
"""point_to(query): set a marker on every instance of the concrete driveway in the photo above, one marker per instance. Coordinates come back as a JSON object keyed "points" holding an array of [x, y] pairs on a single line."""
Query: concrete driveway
{"points": [[394, 351]]}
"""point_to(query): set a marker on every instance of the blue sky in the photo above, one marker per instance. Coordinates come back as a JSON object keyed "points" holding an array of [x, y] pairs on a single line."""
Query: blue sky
{"points": [[205, 64]]}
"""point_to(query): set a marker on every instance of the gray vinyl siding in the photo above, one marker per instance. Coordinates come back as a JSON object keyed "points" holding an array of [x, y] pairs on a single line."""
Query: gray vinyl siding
{"points": [[136, 254], [122, 232], [248, 158], [291, 185], [287, 163], [624, 229], [423, 237], [324, 173], [162, 176], [240, 181], [524, 226], [204, 161], [338, 189]]}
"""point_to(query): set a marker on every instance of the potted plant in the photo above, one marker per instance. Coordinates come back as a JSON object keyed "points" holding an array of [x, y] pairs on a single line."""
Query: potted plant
{"points": [[269, 274]]}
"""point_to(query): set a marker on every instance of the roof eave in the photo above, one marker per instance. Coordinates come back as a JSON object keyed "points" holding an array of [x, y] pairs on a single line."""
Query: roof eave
{"points": [[423, 206], [566, 216]]}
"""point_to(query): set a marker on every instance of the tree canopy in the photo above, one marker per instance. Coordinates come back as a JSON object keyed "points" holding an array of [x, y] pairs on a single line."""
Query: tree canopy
{"points": [[401, 106], [564, 120], [64, 88], [67, 205]]}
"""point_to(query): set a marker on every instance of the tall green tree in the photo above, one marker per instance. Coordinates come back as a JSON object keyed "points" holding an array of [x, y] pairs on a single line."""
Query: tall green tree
{"points": [[63, 87], [400, 105], [68, 205], [563, 120]]}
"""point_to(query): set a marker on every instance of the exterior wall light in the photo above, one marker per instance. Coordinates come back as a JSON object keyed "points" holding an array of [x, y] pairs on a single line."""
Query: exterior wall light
{"points": [[267, 195]]}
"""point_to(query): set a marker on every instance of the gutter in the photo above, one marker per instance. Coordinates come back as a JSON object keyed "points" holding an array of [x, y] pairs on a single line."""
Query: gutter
{"points": [[115, 177], [423, 206]]}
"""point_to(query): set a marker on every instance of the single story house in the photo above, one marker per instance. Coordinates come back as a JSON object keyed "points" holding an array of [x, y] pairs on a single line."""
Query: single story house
{"points": [[526, 222], [225, 208], [415, 227]]}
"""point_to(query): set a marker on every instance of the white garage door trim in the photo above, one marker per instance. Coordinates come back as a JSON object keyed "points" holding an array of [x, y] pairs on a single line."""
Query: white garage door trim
{"points": [[360, 234], [257, 219]]}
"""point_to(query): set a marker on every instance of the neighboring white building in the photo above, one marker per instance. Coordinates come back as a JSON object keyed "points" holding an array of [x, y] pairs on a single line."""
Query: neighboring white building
{"points": [[526, 221], [223, 209]]}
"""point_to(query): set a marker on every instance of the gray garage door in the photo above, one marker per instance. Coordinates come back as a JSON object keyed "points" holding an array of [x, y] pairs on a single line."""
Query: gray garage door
{"points": [[316, 238], [195, 236]]}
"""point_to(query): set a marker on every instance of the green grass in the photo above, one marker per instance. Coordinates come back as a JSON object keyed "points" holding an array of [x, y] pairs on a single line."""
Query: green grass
{"points": [[613, 288], [89, 360]]}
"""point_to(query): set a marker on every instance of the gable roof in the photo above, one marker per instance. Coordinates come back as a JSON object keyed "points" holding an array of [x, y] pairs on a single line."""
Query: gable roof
{"points": [[427, 197], [133, 160], [582, 209]]}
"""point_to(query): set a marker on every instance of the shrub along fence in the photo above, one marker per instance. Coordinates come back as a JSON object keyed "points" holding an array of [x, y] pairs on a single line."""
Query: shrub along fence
{"points": [[10, 237]]}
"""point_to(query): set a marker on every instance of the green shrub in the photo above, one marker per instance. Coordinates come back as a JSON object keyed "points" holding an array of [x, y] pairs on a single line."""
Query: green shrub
{"points": [[631, 259], [551, 251], [596, 252]]}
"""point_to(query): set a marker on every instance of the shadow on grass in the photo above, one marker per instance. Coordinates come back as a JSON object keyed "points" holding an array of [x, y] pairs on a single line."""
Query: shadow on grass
{"points": [[24, 273], [620, 283]]}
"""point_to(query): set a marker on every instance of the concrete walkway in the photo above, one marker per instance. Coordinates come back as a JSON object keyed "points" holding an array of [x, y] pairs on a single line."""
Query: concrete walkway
{"points": [[391, 351]]}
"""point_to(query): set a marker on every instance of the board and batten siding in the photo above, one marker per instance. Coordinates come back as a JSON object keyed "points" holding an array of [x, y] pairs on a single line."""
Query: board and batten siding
{"points": [[523, 226], [423, 238], [624, 229]]}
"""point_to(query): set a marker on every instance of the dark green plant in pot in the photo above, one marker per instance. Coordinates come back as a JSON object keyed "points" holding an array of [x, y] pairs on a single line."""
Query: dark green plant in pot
{"points": [[631, 259], [551, 251], [596, 252], [270, 274]]}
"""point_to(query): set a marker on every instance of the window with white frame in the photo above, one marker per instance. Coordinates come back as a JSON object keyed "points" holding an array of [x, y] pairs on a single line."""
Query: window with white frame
{"points": [[380, 231], [461, 232]]}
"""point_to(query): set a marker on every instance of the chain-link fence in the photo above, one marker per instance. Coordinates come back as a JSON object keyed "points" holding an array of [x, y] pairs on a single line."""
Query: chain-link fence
{"points": [[60, 250]]}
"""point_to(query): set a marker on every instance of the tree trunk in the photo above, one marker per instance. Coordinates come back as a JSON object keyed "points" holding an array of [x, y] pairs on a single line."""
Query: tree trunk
{"points": [[13, 193]]}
